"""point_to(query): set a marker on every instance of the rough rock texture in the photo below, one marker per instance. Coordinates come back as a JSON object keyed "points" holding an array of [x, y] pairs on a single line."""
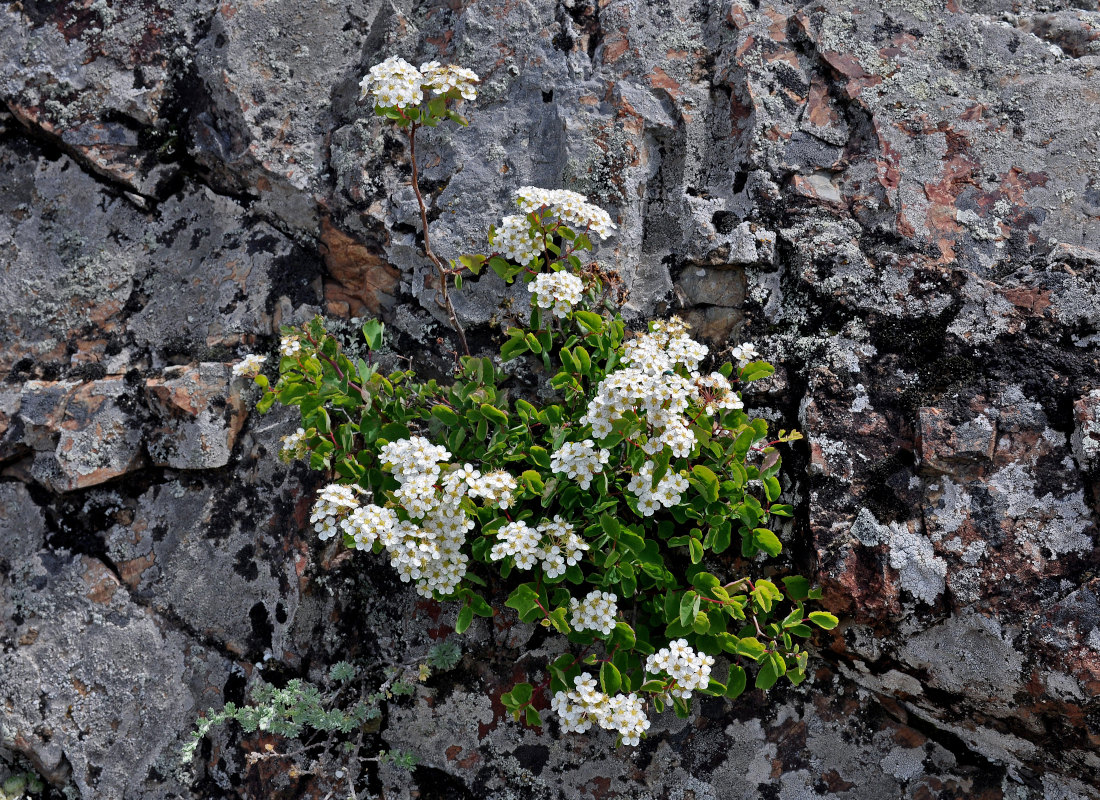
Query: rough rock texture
{"points": [[897, 202]]}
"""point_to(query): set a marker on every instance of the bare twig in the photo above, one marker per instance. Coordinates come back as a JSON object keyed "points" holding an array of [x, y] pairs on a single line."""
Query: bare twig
{"points": [[443, 292]]}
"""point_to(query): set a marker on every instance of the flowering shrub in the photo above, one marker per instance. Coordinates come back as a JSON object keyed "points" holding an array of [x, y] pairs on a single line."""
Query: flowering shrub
{"points": [[614, 514]]}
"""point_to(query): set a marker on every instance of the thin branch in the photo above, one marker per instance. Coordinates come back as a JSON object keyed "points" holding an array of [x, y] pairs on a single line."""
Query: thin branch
{"points": [[443, 292]]}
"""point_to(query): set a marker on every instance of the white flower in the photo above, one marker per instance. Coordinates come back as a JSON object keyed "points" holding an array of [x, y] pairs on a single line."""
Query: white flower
{"points": [[569, 207], [687, 669], [596, 612], [558, 290], [560, 548], [290, 346], [716, 392], [294, 444], [518, 540], [744, 353], [395, 83], [517, 240], [584, 705], [442, 79], [579, 461], [249, 366], [667, 493], [496, 487]]}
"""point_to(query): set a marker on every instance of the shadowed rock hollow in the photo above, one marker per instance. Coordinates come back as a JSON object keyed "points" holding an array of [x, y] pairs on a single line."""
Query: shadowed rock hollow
{"points": [[898, 203]]}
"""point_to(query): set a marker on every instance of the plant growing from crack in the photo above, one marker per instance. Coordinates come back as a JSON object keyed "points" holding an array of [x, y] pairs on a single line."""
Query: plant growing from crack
{"points": [[626, 512], [328, 723]]}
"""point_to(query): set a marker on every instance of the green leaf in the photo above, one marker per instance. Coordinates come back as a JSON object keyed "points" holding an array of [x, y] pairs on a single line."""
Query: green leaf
{"points": [[593, 323], [532, 716], [516, 346], [771, 488], [465, 617], [533, 343], [533, 481], [823, 619], [445, 415], [266, 402], [373, 331], [494, 414], [696, 549], [767, 541], [472, 262], [706, 583], [583, 359], [502, 268], [689, 607], [750, 647], [756, 370], [706, 481], [480, 606], [623, 636], [557, 619], [520, 694], [770, 671], [524, 600], [798, 588], [736, 682], [540, 456], [610, 678]]}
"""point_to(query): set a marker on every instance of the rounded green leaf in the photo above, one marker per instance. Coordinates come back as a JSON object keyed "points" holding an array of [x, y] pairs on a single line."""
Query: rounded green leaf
{"points": [[610, 678]]}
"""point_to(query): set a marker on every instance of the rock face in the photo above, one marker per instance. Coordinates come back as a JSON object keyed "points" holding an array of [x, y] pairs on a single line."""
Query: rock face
{"points": [[898, 203]]}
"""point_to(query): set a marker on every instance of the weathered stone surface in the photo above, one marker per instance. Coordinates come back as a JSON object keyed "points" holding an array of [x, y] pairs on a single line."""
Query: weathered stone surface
{"points": [[1086, 431], [898, 202], [96, 690], [200, 410], [97, 441], [100, 78]]}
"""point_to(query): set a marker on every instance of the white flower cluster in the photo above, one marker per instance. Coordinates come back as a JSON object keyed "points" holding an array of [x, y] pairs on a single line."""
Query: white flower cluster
{"points": [[569, 207], [294, 444], [744, 353], [579, 461], [689, 670], [715, 392], [558, 290], [397, 83], [290, 346], [441, 79], [495, 487], [331, 504], [519, 540], [249, 366], [554, 544], [595, 613], [651, 384], [585, 704], [666, 494], [665, 346], [427, 548], [517, 240], [561, 547], [393, 83]]}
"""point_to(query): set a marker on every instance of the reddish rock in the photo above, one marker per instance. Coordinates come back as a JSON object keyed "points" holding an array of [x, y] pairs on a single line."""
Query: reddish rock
{"points": [[361, 280]]}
